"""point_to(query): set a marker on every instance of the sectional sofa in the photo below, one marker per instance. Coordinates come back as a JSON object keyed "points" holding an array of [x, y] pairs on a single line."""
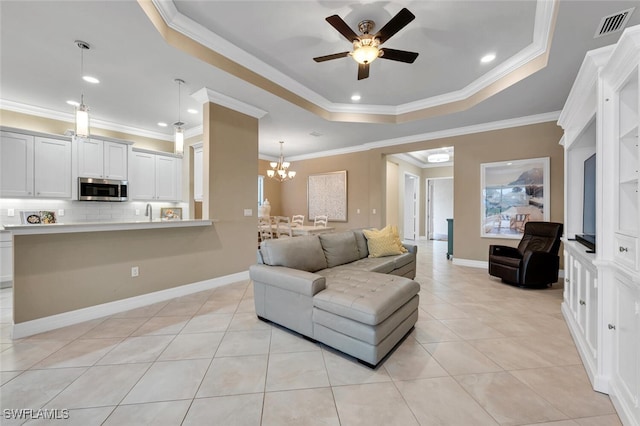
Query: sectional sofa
{"points": [[327, 288]]}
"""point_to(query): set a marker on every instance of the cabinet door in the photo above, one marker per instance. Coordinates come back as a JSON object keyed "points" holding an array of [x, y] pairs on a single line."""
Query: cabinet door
{"points": [[166, 178], [591, 310], [115, 160], [142, 179], [16, 165], [197, 174], [90, 158], [625, 327], [52, 168]]}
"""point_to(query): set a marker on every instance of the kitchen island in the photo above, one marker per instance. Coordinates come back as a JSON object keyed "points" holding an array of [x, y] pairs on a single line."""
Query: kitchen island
{"points": [[69, 273]]}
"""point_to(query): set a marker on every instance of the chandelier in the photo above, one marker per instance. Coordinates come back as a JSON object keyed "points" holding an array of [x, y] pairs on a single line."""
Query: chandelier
{"points": [[280, 170]]}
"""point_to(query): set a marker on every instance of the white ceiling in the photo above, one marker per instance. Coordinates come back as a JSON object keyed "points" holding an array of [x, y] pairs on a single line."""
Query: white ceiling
{"points": [[40, 64]]}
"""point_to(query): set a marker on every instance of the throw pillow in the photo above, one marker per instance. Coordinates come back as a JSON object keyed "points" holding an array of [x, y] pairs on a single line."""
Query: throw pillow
{"points": [[388, 230], [381, 244]]}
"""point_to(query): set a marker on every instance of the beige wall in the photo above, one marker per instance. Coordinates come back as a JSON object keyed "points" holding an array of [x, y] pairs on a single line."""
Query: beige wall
{"points": [[393, 194], [75, 271], [57, 127], [367, 179]]}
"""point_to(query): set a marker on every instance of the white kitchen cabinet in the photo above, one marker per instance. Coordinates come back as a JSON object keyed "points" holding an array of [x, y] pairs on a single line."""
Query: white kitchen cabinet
{"points": [[52, 168], [197, 173], [624, 327], [16, 161], [35, 166], [102, 159], [155, 176]]}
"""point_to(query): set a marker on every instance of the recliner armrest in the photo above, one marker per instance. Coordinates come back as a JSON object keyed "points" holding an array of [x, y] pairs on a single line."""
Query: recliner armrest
{"points": [[540, 267], [497, 250], [295, 280]]}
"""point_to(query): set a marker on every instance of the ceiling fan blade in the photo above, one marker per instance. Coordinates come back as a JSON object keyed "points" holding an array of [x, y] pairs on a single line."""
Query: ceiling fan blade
{"points": [[342, 27], [396, 23], [330, 57], [363, 71], [398, 55]]}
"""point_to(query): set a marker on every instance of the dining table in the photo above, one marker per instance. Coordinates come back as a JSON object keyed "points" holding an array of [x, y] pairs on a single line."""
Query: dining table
{"points": [[310, 230]]}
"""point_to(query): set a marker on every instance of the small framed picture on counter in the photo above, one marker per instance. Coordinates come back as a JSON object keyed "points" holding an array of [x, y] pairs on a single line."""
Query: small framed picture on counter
{"points": [[30, 217], [171, 213]]}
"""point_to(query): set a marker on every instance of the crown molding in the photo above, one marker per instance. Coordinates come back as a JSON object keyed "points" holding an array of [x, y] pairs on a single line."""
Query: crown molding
{"points": [[70, 118], [511, 70], [460, 131], [205, 95]]}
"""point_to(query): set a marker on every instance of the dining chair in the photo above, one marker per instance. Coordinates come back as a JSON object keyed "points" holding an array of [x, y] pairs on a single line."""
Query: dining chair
{"points": [[283, 227], [297, 220], [265, 229], [320, 220]]}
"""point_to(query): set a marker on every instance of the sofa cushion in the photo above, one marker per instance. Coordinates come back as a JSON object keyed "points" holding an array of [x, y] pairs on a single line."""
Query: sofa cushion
{"points": [[403, 259], [366, 297], [381, 244], [303, 253], [339, 248], [361, 240], [384, 265]]}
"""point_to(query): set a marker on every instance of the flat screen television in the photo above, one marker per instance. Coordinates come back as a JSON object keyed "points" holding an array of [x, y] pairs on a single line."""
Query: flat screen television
{"points": [[588, 236]]}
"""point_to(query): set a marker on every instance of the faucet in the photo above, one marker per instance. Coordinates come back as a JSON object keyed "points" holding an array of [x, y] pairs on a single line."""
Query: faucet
{"points": [[149, 212]]}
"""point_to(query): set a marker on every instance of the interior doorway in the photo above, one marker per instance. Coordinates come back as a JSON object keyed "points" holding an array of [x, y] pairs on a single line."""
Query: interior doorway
{"points": [[411, 206], [439, 207]]}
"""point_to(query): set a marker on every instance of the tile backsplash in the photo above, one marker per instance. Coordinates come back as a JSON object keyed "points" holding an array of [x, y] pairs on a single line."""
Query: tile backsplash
{"points": [[85, 211]]}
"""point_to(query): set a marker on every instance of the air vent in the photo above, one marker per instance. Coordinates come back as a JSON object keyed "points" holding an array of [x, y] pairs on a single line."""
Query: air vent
{"points": [[613, 23]]}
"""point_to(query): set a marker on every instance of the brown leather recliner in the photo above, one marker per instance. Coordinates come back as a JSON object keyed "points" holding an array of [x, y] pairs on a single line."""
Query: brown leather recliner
{"points": [[535, 263]]}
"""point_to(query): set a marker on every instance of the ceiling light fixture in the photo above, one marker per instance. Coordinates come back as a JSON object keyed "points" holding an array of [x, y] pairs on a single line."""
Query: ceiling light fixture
{"points": [[82, 111], [365, 49], [73, 103], [178, 125], [162, 124], [438, 158], [90, 79], [356, 97], [192, 111], [488, 58], [280, 170]]}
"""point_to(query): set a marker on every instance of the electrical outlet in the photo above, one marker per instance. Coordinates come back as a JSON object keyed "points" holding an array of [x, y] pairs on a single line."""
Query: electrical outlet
{"points": [[135, 271], [137, 212], [11, 212], [248, 212], [374, 211], [60, 212], [358, 211]]}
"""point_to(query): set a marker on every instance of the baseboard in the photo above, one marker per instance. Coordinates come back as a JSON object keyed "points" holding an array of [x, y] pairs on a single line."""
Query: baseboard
{"points": [[40, 325], [485, 265]]}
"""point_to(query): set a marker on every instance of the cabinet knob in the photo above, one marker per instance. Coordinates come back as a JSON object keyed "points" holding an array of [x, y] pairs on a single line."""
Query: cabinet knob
{"points": [[582, 302], [566, 280], [622, 249], [611, 327]]}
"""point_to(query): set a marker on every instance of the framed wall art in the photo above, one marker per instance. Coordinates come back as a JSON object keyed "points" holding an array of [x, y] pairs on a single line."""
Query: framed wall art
{"points": [[327, 195], [512, 194]]}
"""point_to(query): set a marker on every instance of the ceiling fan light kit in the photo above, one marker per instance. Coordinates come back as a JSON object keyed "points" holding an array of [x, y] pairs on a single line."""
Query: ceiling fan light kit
{"points": [[366, 47]]}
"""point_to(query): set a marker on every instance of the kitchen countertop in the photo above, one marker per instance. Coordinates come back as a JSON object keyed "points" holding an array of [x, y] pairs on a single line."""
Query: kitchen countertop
{"points": [[66, 228]]}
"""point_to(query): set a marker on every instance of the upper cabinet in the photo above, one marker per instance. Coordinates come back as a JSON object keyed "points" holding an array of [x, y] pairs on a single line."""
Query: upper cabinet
{"points": [[102, 159], [155, 176], [34, 166]]}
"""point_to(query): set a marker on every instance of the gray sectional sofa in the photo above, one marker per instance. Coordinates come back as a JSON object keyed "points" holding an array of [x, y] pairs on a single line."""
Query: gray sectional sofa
{"points": [[326, 287]]}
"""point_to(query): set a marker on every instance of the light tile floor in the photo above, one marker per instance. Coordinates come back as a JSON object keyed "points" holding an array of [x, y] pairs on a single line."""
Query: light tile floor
{"points": [[482, 353]]}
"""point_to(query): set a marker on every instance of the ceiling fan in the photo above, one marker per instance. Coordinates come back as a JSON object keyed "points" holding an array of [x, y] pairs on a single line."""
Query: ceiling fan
{"points": [[366, 46]]}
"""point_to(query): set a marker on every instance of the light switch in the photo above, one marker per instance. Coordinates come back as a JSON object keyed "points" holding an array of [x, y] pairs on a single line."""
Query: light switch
{"points": [[358, 211], [137, 212], [248, 212], [374, 211], [60, 212], [11, 212]]}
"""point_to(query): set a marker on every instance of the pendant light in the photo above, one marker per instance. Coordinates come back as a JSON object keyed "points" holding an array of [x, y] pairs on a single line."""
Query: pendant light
{"points": [[178, 125], [82, 111]]}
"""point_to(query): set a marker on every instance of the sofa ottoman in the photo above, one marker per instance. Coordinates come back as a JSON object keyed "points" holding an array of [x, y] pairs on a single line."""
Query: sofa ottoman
{"points": [[365, 314]]}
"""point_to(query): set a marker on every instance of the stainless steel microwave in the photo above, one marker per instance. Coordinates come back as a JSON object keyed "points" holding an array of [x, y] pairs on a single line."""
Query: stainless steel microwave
{"points": [[92, 189]]}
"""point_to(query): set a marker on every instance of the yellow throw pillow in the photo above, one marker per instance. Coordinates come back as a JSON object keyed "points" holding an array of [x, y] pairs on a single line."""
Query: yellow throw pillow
{"points": [[387, 230], [394, 231], [381, 244]]}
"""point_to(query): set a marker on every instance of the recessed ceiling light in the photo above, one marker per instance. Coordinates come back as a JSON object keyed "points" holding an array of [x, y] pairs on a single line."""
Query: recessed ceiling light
{"points": [[192, 111], [74, 103], [162, 124], [90, 79], [508, 164], [355, 97], [488, 58], [438, 158]]}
